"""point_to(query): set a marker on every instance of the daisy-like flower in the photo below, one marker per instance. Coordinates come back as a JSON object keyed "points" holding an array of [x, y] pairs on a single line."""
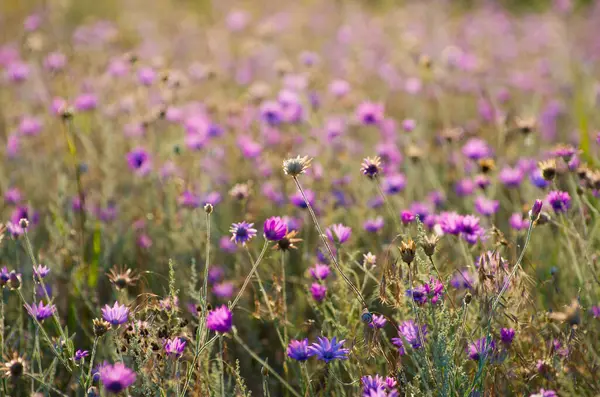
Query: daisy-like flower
{"points": [[275, 228], [40, 271], [14, 368], [41, 311], [296, 166], [480, 349], [117, 377], [299, 350], [116, 315], [122, 278], [371, 166], [175, 347], [338, 233], [409, 332], [220, 319], [369, 259], [242, 232], [559, 201], [287, 242], [328, 351]]}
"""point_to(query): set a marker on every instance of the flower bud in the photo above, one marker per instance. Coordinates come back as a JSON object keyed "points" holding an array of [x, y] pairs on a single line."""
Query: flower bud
{"points": [[14, 280], [208, 208], [535, 210], [407, 251], [101, 327], [23, 223]]}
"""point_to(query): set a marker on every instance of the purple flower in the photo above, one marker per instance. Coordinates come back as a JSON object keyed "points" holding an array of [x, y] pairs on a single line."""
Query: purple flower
{"points": [[394, 183], [464, 187], [40, 271], [297, 200], [470, 230], [318, 291], [320, 271], [23, 212], [189, 199], [41, 311], [462, 280], [536, 209], [339, 88], [117, 377], [299, 350], [220, 319], [338, 233], [407, 217], [480, 349], [275, 228], [146, 76], [450, 222], [408, 125], [223, 290], [12, 195], [139, 161], [17, 71], [175, 347], [431, 291], [481, 181], [507, 335], [476, 149], [486, 206], [227, 245], [595, 310], [372, 383], [517, 222], [409, 332], [369, 113], [215, 273], [378, 321], [544, 393], [4, 276], [242, 232], [511, 177], [559, 201], [373, 225], [328, 351], [80, 355], [116, 315], [85, 102], [30, 126], [271, 113], [55, 61]]}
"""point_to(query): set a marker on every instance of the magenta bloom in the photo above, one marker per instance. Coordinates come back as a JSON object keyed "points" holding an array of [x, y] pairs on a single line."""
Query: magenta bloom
{"points": [[40, 271], [175, 347], [394, 183], [338, 233], [507, 335], [320, 271], [117, 377], [271, 112], [318, 291], [373, 225], [30, 126], [116, 315], [298, 350], [139, 161], [55, 61], [297, 200], [485, 206], [517, 222], [480, 349], [369, 113], [409, 332], [559, 201], [470, 230], [146, 76], [476, 149], [220, 319], [41, 311], [85, 102], [408, 125], [275, 228], [242, 232], [511, 177], [12, 195], [407, 217], [223, 290], [80, 355], [378, 321]]}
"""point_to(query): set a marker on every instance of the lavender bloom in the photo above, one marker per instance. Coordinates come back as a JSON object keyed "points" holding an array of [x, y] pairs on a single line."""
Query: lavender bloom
{"points": [[338, 233], [220, 319], [41, 311], [462, 280], [408, 125], [431, 291], [511, 177], [517, 222], [470, 230], [12, 196], [85, 102], [544, 393], [409, 331], [372, 383], [297, 200], [80, 355], [117, 377], [450, 222], [464, 187], [242, 232], [223, 290], [299, 350], [139, 161], [55, 61], [407, 217], [188, 199], [17, 72], [559, 201], [507, 335], [116, 315], [320, 271], [318, 292], [175, 347], [40, 271], [534, 213], [271, 113], [394, 183], [486, 206], [4, 276], [328, 351], [227, 245], [215, 273], [476, 149], [378, 321], [369, 113], [146, 76], [275, 228], [480, 349], [30, 126], [595, 310]]}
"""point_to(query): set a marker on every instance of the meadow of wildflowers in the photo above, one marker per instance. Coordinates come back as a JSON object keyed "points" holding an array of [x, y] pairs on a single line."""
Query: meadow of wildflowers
{"points": [[311, 198]]}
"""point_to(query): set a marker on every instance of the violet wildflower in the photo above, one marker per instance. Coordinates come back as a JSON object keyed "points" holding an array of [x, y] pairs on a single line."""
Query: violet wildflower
{"points": [[227, 245], [511, 177], [320, 271], [175, 347], [188, 199], [55, 61], [407, 217], [338, 233], [299, 350], [40, 271], [223, 290], [275, 228], [544, 393], [30, 126], [408, 125], [146, 76], [470, 230], [481, 181], [369, 113], [298, 201], [220, 319], [476, 149], [537, 180], [485, 206], [242, 232], [328, 351], [559, 201], [450, 222], [318, 291], [271, 113], [80, 355], [517, 222], [12, 195], [507, 335], [378, 321], [536, 209], [462, 280], [116, 315], [371, 167], [480, 349], [409, 332], [117, 377], [4, 276], [373, 225], [464, 187], [215, 273], [595, 311], [372, 383], [41, 311], [85, 102], [139, 161], [394, 183]]}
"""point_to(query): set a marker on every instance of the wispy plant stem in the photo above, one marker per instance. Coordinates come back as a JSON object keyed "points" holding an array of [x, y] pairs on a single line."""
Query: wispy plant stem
{"points": [[249, 276]]}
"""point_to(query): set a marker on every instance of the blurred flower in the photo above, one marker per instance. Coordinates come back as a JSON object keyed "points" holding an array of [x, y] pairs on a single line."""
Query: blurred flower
{"points": [[394, 183], [369, 113], [476, 149], [378, 321], [146, 76], [215, 273], [319, 271], [537, 180], [338, 233], [174, 347], [328, 351], [462, 280], [297, 200], [544, 393], [85, 102], [17, 72], [40, 271], [30, 126], [116, 378], [486, 206], [139, 161], [116, 315], [14, 368], [559, 201], [407, 217], [409, 332], [299, 350], [223, 290], [41, 311], [80, 355], [242, 232], [511, 177], [371, 167], [481, 349], [507, 335], [55, 61], [318, 291], [408, 125], [373, 225], [464, 187], [517, 222], [12, 195], [219, 319]]}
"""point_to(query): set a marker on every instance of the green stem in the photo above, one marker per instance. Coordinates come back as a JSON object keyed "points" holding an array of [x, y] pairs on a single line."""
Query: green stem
{"points": [[222, 365], [247, 280], [88, 380]]}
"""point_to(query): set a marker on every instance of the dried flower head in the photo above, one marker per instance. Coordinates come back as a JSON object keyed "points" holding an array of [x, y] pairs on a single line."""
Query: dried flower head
{"points": [[287, 242], [122, 278], [296, 166], [548, 169], [240, 191], [101, 327], [429, 243], [486, 165], [371, 167], [15, 367], [525, 125], [408, 250]]}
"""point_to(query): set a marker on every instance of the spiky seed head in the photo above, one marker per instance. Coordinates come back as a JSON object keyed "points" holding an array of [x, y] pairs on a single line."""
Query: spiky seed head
{"points": [[371, 166], [101, 327], [548, 169], [487, 165], [429, 244], [296, 166], [408, 250], [208, 208]]}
